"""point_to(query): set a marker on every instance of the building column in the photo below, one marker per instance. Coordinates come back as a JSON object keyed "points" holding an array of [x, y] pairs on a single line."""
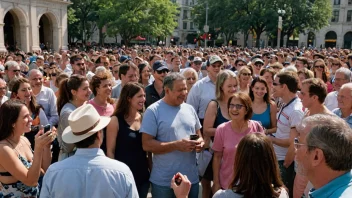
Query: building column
{"points": [[25, 38], [63, 31], [2, 43], [34, 28]]}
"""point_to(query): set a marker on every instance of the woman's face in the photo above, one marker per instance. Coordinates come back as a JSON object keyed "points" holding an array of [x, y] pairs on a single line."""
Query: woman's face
{"points": [[237, 110], [301, 78], [24, 121], [319, 67], [246, 76], [105, 88], [24, 93], [229, 87], [146, 73], [138, 100], [259, 90], [83, 93], [190, 79]]}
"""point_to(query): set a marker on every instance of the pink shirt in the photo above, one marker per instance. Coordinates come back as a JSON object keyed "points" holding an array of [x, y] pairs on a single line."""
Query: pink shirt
{"points": [[226, 141], [103, 111]]}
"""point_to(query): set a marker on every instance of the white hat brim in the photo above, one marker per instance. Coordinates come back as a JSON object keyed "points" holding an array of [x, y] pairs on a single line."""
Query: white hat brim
{"points": [[69, 138]]}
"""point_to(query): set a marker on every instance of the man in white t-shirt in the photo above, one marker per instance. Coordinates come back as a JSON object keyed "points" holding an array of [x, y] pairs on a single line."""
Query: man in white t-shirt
{"points": [[289, 116], [342, 76]]}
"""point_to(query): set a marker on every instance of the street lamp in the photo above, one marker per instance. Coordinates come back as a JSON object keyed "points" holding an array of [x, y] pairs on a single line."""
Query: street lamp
{"points": [[281, 13], [206, 27]]}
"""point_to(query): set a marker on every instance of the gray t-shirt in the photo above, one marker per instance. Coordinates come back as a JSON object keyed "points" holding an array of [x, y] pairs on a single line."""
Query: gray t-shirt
{"points": [[170, 123], [230, 194], [116, 91]]}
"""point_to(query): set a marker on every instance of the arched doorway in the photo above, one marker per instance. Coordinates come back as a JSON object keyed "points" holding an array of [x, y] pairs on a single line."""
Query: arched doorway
{"points": [[311, 39], [48, 32], [347, 40], [330, 39], [12, 31], [45, 33]]}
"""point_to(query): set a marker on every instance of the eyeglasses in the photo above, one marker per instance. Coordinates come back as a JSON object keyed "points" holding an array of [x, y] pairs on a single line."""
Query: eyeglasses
{"points": [[162, 71], [237, 106], [246, 74], [191, 78], [319, 66], [276, 84], [16, 70], [297, 144]]}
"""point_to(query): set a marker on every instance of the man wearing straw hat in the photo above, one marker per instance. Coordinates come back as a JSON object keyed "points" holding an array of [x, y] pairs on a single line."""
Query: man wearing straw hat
{"points": [[88, 173]]}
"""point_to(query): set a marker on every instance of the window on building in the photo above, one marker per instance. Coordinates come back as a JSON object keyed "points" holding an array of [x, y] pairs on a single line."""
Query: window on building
{"points": [[185, 14], [336, 2], [335, 16], [185, 25], [349, 15], [191, 25]]}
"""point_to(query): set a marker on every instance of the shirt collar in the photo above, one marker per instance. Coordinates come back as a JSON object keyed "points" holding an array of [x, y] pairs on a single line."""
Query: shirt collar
{"points": [[328, 189], [207, 79], [89, 151]]}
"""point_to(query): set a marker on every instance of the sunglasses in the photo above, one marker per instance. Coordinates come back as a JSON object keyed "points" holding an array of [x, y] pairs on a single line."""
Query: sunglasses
{"points": [[53, 74], [237, 106], [275, 67], [162, 71], [336, 64], [190, 78], [247, 74], [16, 70], [319, 66]]}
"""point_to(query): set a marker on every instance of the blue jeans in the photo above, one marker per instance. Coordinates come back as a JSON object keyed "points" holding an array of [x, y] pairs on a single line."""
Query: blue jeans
{"points": [[143, 189], [167, 192]]}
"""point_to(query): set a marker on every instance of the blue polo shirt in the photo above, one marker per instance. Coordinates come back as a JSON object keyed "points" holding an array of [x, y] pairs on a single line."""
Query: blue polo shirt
{"points": [[339, 187]]}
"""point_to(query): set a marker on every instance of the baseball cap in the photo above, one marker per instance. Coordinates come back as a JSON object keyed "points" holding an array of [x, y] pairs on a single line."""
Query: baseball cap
{"points": [[197, 59], [124, 58], [159, 65], [214, 59]]}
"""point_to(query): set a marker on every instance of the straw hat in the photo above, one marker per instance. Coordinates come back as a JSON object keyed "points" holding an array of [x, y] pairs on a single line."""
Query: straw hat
{"points": [[83, 122]]}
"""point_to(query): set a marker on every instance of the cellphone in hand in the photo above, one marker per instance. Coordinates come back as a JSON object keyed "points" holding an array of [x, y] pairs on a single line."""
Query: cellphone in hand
{"points": [[194, 137], [47, 128]]}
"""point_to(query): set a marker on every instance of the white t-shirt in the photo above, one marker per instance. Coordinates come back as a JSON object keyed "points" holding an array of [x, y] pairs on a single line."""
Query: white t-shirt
{"points": [[288, 117], [331, 101], [230, 194]]}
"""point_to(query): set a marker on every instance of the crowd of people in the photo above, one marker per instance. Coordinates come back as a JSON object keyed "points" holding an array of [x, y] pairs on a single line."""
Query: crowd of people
{"points": [[125, 122]]}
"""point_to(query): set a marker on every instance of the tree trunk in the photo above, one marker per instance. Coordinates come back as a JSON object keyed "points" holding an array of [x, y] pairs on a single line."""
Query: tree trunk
{"points": [[257, 43]]}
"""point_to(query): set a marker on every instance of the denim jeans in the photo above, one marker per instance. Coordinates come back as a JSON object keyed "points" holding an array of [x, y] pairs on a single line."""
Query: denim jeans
{"points": [[167, 191], [143, 189], [287, 176]]}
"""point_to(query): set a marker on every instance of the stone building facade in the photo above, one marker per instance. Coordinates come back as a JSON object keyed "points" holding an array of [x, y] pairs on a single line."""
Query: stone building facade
{"points": [[26, 24]]}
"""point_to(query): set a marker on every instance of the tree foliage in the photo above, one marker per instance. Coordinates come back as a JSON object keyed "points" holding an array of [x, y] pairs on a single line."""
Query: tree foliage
{"points": [[131, 18], [258, 16]]}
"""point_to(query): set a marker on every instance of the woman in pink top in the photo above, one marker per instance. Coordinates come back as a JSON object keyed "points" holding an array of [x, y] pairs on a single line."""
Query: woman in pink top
{"points": [[228, 135], [101, 87]]}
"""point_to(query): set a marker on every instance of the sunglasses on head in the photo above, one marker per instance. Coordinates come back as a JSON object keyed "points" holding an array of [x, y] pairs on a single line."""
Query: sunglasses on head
{"points": [[162, 71]]}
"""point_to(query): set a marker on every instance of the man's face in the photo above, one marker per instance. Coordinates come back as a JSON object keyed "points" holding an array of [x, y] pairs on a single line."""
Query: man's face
{"points": [[214, 69], [299, 65], [344, 98], [197, 65], [79, 67], [40, 62], [13, 72], [18, 59], [160, 75], [306, 99], [239, 65], [36, 80], [131, 76], [277, 88], [339, 81], [178, 93], [115, 72], [105, 62], [303, 156], [3, 88]]}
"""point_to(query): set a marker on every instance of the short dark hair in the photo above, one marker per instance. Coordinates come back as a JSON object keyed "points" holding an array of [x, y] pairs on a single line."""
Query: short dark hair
{"points": [[88, 141], [7, 120], [75, 58], [125, 67], [290, 79], [316, 87]]}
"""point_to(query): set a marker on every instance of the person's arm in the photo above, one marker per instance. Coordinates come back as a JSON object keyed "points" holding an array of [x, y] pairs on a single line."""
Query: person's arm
{"points": [[112, 131], [9, 160], [216, 170], [157, 147], [290, 155], [273, 120], [209, 119], [280, 142], [54, 117]]}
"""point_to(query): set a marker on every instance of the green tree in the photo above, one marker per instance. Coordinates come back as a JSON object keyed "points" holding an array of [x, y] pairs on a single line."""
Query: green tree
{"points": [[131, 18]]}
